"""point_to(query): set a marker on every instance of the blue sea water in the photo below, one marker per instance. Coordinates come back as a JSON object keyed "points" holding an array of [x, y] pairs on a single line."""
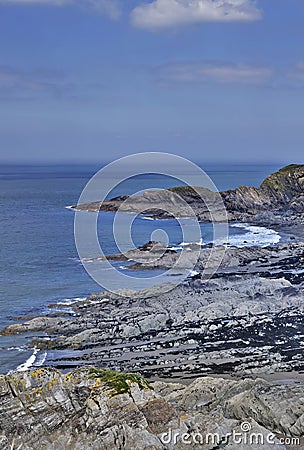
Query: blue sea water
{"points": [[39, 261]]}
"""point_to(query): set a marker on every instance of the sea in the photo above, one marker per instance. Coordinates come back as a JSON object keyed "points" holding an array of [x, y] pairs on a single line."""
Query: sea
{"points": [[39, 261]]}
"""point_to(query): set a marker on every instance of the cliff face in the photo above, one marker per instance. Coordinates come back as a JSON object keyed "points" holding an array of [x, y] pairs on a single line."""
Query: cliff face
{"points": [[281, 192], [103, 410]]}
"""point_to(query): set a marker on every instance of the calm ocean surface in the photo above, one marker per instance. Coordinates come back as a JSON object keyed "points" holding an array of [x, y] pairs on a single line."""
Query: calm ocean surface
{"points": [[39, 261]]}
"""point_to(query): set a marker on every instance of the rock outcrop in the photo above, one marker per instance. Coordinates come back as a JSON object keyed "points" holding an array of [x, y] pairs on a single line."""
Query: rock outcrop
{"points": [[95, 409], [248, 319], [281, 193]]}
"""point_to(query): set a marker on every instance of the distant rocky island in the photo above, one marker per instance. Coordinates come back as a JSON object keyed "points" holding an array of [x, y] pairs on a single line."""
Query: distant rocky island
{"points": [[209, 356]]}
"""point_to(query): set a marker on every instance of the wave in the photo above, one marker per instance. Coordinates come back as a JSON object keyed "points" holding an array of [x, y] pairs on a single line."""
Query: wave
{"points": [[193, 273], [29, 362], [40, 359], [147, 218], [200, 242], [37, 358], [254, 236], [70, 301]]}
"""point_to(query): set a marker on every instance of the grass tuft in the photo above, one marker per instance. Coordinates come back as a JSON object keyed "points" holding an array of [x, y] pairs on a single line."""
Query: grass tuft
{"points": [[117, 383]]}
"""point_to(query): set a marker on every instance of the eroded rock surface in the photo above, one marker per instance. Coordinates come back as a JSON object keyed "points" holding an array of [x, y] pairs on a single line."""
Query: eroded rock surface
{"points": [[248, 319], [95, 409]]}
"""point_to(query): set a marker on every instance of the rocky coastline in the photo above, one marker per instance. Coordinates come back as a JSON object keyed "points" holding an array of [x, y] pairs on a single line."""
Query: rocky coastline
{"points": [[244, 323], [247, 319], [279, 200]]}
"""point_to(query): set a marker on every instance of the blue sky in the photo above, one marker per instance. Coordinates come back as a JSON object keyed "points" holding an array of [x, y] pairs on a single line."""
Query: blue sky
{"points": [[92, 80]]}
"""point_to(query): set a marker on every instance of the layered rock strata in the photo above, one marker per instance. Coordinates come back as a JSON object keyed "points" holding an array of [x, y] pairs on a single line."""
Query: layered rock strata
{"points": [[101, 410]]}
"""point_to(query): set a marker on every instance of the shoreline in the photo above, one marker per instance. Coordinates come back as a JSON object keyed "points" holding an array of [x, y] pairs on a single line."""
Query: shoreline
{"points": [[223, 336], [77, 305], [61, 310], [203, 355]]}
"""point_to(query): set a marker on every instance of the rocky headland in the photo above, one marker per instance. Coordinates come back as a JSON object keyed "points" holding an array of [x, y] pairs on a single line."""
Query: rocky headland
{"points": [[205, 346], [279, 199]]}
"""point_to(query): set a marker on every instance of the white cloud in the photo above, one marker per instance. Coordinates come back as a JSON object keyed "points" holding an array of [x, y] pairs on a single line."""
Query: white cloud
{"points": [[161, 14], [224, 73], [109, 7]]}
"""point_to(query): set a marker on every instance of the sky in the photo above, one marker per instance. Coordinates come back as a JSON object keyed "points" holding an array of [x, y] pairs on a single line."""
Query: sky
{"points": [[94, 80]]}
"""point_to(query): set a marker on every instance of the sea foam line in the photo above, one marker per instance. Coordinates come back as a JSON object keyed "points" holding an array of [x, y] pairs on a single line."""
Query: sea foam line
{"points": [[147, 218], [70, 301], [254, 236], [36, 357], [184, 244], [29, 362]]}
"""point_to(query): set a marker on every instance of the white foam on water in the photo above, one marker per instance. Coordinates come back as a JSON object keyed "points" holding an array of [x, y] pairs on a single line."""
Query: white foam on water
{"points": [[193, 273], [254, 236], [184, 244], [29, 362], [70, 301], [97, 302], [19, 349], [146, 218], [41, 359]]}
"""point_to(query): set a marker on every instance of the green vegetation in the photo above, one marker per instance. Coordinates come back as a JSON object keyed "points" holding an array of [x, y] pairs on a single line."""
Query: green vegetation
{"points": [[117, 383], [190, 190], [273, 183], [182, 189], [283, 179], [291, 167]]}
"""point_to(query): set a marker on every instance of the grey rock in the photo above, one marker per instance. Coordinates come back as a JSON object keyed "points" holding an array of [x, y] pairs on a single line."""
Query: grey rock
{"points": [[280, 194], [47, 410]]}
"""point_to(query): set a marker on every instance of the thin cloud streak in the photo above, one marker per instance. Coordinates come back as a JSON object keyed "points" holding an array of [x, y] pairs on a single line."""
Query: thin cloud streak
{"points": [[110, 8], [19, 85], [215, 72]]}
